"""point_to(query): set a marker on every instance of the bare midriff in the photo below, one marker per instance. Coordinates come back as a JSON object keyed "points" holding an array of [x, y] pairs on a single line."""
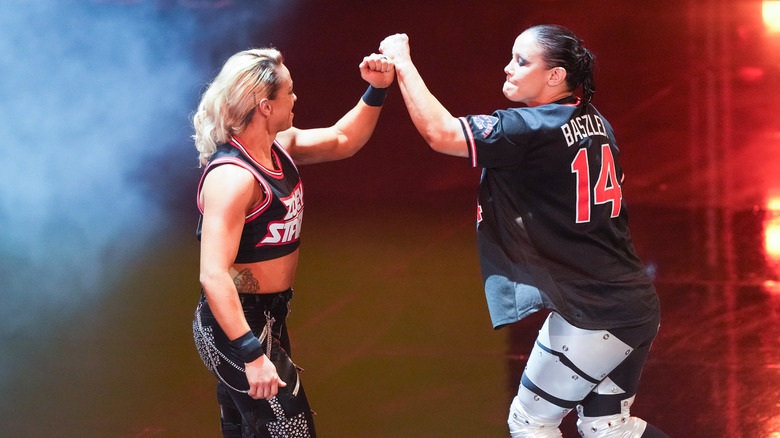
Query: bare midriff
{"points": [[265, 277]]}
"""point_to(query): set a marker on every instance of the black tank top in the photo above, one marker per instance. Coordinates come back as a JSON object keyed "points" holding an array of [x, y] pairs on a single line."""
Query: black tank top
{"points": [[272, 229]]}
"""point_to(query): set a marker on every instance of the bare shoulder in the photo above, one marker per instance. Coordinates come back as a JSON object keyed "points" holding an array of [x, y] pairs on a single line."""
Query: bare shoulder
{"points": [[230, 175], [230, 184], [286, 138]]}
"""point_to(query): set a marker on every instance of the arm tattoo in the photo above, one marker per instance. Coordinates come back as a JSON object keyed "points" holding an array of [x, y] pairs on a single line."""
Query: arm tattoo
{"points": [[245, 282]]}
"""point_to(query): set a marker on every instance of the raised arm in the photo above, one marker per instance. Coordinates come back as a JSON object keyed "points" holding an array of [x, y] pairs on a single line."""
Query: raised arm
{"points": [[438, 127], [353, 130]]}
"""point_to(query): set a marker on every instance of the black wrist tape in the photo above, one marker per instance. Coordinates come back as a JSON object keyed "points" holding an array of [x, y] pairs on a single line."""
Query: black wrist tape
{"points": [[375, 96], [248, 346]]}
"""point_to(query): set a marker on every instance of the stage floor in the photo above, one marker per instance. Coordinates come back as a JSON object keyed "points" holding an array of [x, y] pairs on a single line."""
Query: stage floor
{"points": [[389, 318], [390, 324]]}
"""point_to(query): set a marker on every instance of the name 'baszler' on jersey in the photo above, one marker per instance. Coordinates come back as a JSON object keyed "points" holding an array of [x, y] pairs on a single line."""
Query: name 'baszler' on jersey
{"points": [[273, 228], [552, 225]]}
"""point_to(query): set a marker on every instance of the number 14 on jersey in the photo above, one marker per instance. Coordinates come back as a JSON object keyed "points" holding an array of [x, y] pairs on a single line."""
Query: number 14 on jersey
{"points": [[607, 189]]}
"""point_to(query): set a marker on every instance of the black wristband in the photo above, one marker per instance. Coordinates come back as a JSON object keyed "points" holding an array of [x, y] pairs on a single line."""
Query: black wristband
{"points": [[248, 346], [375, 96]]}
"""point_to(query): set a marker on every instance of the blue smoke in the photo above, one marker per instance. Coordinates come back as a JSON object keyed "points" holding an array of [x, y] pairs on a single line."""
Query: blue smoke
{"points": [[91, 93]]}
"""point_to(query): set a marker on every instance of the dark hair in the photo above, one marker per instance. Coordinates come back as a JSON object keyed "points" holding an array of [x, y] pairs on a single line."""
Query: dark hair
{"points": [[562, 48]]}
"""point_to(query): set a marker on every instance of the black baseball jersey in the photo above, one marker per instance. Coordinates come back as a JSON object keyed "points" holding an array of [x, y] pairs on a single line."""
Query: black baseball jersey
{"points": [[552, 222], [272, 229]]}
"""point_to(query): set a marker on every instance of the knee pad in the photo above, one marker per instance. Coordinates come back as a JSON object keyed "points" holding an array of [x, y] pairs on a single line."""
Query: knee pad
{"points": [[524, 424], [621, 425]]}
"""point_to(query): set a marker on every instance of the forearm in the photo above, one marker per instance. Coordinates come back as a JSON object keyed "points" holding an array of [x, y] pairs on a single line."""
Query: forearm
{"points": [[223, 300], [434, 122], [341, 140], [355, 128]]}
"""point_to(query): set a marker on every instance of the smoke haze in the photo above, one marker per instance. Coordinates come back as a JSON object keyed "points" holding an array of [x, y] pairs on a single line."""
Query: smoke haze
{"points": [[93, 96]]}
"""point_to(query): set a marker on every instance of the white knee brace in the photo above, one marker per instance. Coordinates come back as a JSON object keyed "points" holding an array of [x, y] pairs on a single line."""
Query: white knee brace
{"points": [[621, 425], [523, 424]]}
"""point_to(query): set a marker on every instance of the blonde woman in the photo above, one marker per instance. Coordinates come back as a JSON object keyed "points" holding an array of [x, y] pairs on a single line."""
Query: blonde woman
{"points": [[251, 202]]}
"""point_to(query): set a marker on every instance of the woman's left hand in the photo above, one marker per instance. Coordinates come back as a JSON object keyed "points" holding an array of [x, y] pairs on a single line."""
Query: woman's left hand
{"points": [[377, 70]]}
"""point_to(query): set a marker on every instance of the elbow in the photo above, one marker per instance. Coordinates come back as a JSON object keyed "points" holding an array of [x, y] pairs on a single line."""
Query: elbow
{"points": [[441, 134], [431, 136], [347, 147], [208, 278], [204, 282], [435, 140], [349, 152], [437, 147]]}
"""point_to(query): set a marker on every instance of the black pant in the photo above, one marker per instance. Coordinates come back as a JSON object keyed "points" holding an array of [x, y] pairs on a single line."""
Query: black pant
{"points": [[287, 415]]}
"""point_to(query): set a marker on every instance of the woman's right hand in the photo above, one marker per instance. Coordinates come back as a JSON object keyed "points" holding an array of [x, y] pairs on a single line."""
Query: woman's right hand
{"points": [[377, 70], [396, 47], [264, 382]]}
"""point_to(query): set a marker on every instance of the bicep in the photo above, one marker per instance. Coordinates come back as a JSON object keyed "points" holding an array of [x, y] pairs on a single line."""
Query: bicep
{"points": [[228, 192], [307, 146], [451, 139]]}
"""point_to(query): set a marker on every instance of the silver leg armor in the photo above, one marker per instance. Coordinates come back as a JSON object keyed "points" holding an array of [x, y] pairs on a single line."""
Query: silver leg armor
{"points": [[621, 425], [523, 424], [564, 366]]}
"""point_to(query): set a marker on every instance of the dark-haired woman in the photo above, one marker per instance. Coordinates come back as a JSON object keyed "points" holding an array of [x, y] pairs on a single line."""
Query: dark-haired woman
{"points": [[552, 233]]}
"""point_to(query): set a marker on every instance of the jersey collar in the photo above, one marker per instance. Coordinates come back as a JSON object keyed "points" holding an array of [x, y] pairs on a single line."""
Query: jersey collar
{"points": [[571, 100]]}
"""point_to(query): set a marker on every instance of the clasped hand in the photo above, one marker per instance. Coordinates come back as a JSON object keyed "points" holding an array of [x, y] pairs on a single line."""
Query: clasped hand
{"points": [[377, 70], [396, 47]]}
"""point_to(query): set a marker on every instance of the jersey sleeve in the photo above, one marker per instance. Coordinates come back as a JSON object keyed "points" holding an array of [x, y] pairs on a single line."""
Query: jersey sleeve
{"points": [[496, 140]]}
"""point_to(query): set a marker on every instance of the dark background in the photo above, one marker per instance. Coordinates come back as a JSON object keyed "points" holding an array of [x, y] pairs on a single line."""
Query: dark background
{"points": [[99, 265]]}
